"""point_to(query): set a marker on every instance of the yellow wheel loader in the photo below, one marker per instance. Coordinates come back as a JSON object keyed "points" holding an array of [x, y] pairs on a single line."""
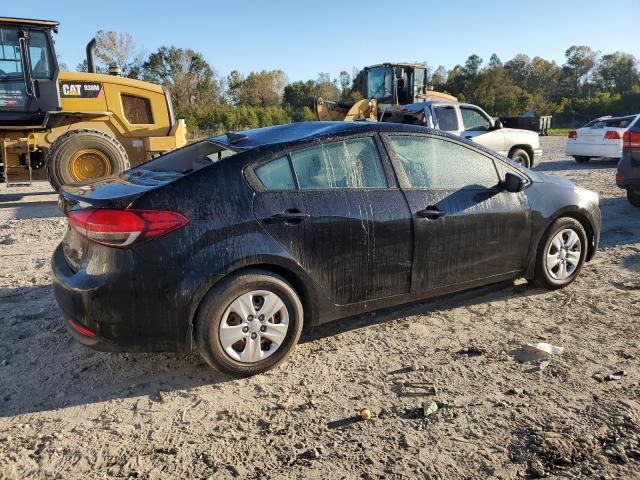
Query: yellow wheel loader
{"points": [[73, 126], [384, 87]]}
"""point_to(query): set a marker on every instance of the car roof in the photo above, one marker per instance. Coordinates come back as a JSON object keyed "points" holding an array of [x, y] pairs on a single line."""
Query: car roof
{"points": [[416, 107], [301, 131]]}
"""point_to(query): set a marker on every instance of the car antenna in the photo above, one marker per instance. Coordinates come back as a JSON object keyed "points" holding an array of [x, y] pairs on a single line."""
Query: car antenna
{"points": [[235, 137]]}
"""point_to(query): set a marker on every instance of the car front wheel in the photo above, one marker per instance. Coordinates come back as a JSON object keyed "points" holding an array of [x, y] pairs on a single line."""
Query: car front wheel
{"points": [[582, 159], [634, 197], [561, 253], [249, 323], [521, 156]]}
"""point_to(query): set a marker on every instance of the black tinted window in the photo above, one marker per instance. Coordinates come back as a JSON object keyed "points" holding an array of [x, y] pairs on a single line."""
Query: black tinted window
{"points": [[276, 175], [353, 163], [434, 163], [447, 118]]}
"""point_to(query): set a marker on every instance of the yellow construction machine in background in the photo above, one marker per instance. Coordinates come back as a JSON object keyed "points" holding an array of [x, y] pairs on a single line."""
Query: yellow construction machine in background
{"points": [[73, 126], [384, 88]]}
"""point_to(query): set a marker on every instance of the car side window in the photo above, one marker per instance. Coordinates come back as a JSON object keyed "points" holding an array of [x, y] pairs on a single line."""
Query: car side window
{"points": [[353, 163], [474, 120], [447, 118], [276, 175], [434, 163]]}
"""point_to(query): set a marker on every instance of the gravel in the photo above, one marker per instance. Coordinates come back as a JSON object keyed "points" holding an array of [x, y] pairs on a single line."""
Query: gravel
{"points": [[69, 412]]}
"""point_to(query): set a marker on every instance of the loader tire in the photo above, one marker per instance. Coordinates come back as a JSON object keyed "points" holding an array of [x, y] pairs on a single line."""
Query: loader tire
{"points": [[83, 155]]}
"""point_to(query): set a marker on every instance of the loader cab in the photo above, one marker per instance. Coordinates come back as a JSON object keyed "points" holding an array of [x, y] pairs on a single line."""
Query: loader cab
{"points": [[393, 84], [28, 72]]}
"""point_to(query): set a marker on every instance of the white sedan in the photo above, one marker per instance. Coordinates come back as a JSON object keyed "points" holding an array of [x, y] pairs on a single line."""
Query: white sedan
{"points": [[599, 138]]}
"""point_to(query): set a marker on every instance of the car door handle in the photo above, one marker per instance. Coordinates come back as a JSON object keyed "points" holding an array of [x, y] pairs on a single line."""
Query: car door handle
{"points": [[432, 213], [290, 216], [468, 137]]}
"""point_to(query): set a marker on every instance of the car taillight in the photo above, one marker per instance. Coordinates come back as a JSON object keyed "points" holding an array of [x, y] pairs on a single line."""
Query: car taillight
{"points": [[612, 135], [573, 134], [631, 139], [123, 228]]}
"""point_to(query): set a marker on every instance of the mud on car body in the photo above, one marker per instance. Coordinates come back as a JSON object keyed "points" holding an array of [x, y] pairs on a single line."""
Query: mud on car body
{"points": [[232, 244]]}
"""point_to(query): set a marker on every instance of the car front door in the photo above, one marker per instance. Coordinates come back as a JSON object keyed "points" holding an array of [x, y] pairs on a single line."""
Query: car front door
{"points": [[341, 217], [467, 227], [478, 126]]}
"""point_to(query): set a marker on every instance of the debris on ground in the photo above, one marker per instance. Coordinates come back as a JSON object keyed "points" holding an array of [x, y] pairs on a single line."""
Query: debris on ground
{"points": [[616, 376], [429, 408], [537, 352], [365, 414]]}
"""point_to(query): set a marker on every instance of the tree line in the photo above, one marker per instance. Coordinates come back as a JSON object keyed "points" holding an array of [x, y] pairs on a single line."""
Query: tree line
{"points": [[588, 84]]}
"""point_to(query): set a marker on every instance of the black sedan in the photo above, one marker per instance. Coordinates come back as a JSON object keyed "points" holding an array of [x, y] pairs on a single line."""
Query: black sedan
{"points": [[232, 244]]}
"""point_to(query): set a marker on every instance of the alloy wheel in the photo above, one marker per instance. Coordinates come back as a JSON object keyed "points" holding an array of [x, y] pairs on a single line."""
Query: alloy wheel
{"points": [[563, 254]]}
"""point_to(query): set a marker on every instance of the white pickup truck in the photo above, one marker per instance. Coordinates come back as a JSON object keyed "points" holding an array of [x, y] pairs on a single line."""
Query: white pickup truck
{"points": [[471, 122]]}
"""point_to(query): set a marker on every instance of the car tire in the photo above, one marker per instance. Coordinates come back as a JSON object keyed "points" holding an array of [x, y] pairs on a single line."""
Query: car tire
{"points": [[521, 156], [216, 314], [109, 156], [634, 197], [549, 271], [582, 159]]}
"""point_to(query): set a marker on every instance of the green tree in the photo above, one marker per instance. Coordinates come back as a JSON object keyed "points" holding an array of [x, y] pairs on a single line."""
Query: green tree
{"points": [[119, 50], [472, 66], [258, 89], [617, 72], [494, 61], [190, 80], [580, 61]]}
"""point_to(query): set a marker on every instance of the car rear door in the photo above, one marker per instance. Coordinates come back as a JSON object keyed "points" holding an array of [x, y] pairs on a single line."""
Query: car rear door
{"points": [[478, 126], [467, 227], [341, 217]]}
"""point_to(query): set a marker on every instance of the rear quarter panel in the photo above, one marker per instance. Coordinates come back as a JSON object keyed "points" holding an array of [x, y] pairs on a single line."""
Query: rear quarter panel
{"points": [[222, 236]]}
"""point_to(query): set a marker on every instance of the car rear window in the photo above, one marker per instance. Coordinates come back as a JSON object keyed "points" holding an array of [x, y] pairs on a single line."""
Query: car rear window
{"points": [[277, 175], [177, 163], [447, 118], [622, 122]]}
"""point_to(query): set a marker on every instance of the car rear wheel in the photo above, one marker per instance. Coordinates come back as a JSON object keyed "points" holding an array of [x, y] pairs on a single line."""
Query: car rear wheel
{"points": [[249, 323], [520, 156], [634, 197], [582, 159], [561, 253]]}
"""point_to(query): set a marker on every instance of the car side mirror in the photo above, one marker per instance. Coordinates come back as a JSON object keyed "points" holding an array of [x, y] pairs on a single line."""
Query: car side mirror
{"points": [[497, 125], [513, 183]]}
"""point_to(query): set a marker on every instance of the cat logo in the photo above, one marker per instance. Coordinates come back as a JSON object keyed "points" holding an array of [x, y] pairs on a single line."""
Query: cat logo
{"points": [[71, 90], [80, 89]]}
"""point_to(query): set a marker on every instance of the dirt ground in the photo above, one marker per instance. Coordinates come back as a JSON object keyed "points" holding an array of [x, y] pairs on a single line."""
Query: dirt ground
{"points": [[69, 412]]}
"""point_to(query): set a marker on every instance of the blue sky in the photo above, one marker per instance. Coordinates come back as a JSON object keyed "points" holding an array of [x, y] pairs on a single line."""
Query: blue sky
{"points": [[305, 38]]}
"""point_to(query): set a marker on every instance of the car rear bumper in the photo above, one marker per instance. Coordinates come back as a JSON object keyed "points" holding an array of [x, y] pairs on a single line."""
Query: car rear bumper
{"points": [[135, 307], [573, 149]]}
